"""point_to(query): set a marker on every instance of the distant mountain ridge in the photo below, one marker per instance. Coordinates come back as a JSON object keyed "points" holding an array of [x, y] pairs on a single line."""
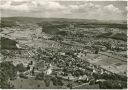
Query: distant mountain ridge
{"points": [[37, 20]]}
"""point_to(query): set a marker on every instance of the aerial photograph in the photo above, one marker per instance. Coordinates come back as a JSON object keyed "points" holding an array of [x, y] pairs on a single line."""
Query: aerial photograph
{"points": [[63, 44]]}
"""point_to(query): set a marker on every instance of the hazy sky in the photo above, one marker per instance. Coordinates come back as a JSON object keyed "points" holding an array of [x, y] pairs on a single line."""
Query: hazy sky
{"points": [[105, 10]]}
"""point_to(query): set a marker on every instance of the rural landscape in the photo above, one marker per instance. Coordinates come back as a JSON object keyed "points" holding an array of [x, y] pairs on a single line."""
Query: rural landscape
{"points": [[63, 44]]}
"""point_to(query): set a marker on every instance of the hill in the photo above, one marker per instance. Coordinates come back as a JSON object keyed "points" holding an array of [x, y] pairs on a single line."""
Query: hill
{"points": [[62, 20]]}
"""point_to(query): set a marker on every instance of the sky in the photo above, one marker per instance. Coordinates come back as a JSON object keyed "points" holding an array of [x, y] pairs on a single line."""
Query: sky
{"points": [[100, 10]]}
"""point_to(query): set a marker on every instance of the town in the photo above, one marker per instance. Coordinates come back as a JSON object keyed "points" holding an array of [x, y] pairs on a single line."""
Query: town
{"points": [[62, 54]]}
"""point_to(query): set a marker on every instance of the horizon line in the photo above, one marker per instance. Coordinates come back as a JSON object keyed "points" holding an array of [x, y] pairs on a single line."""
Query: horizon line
{"points": [[59, 18]]}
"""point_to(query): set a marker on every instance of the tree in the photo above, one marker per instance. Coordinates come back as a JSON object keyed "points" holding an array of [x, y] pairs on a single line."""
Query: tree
{"points": [[40, 76], [112, 84], [7, 71], [20, 67], [54, 80], [69, 85], [47, 81]]}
